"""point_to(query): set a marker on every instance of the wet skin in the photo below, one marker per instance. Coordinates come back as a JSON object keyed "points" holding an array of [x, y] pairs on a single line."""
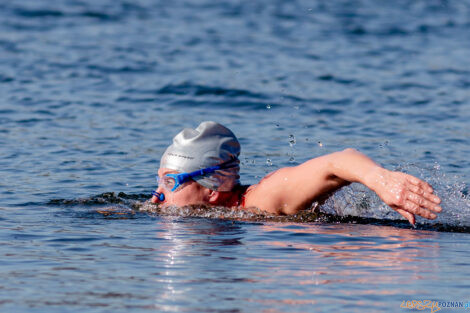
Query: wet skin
{"points": [[291, 189]]}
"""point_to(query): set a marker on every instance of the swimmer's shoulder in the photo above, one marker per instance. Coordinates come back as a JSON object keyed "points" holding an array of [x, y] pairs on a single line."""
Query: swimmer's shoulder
{"points": [[262, 195]]}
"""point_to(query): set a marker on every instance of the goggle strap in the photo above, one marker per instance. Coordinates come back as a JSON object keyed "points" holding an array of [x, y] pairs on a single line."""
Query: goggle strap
{"points": [[211, 169]]}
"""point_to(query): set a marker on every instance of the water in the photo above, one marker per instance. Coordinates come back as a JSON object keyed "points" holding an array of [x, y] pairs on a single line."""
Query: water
{"points": [[91, 93]]}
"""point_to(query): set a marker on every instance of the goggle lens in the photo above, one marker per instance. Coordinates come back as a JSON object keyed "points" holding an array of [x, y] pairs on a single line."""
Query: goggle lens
{"points": [[168, 183]]}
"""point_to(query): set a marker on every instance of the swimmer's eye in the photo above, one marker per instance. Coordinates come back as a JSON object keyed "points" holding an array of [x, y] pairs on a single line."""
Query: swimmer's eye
{"points": [[166, 182]]}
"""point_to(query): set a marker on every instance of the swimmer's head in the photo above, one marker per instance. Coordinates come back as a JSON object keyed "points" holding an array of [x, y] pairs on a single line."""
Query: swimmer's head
{"points": [[208, 145]]}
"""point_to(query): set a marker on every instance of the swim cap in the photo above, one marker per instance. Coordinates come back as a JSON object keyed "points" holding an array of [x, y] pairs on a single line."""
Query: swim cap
{"points": [[210, 144]]}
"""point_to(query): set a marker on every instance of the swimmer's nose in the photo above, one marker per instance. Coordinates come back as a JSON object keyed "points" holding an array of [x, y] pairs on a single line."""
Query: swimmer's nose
{"points": [[154, 199]]}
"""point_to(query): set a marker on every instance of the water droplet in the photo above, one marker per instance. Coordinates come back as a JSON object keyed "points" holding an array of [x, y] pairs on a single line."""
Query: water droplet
{"points": [[268, 106], [383, 145], [292, 140], [269, 162]]}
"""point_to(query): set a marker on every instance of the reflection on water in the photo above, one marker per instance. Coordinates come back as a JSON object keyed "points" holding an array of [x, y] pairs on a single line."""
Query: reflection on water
{"points": [[368, 259], [193, 257], [387, 249], [195, 264], [206, 258]]}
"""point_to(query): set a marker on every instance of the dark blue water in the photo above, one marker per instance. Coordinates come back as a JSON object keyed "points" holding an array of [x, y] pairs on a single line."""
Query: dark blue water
{"points": [[91, 93]]}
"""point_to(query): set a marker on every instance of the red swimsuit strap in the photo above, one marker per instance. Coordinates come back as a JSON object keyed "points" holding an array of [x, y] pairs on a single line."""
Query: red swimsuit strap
{"points": [[241, 196]]}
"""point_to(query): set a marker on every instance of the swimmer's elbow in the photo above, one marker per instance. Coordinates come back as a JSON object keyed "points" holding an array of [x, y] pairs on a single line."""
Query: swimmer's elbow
{"points": [[349, 151]]}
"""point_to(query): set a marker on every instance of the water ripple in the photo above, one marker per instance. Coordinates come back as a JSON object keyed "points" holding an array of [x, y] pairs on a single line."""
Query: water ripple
{"points": [[199, 90]]}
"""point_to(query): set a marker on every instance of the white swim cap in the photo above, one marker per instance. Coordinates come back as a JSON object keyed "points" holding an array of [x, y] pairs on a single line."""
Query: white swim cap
{"points": [[208, 145]]}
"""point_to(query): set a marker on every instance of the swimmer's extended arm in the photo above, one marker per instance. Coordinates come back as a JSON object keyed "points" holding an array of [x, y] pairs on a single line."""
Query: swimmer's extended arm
{"points": [[295, 188]]}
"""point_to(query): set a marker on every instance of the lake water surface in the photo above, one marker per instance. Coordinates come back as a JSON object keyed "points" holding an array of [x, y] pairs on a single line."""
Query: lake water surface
{"points": [[91, 93]]}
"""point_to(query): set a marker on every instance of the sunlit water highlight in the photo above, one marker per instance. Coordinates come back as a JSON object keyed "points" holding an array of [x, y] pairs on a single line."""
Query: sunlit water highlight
{"points": [[91, 93]]}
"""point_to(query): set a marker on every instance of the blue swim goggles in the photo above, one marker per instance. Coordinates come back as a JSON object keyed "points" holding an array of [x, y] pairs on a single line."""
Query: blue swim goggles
{"points": [[173, 182]]}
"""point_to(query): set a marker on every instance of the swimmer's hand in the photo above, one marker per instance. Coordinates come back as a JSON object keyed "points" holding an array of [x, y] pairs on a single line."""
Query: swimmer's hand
{"points": [[404, 193]]}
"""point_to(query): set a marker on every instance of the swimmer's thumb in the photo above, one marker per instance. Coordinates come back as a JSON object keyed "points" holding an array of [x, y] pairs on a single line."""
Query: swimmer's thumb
{"points": [[409, 216]]}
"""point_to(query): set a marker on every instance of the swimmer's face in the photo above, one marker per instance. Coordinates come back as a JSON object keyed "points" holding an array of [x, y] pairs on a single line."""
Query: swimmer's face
{"points": [[189, 193]]}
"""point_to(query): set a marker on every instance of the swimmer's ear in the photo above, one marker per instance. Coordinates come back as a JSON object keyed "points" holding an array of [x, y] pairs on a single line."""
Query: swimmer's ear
{"points": [[214, 197]]}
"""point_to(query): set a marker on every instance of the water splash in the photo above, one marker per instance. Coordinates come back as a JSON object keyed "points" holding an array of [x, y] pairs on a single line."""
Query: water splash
{"points": [[105, 198], [219, 212], [292, 140], [352, 204], [358, 201]]}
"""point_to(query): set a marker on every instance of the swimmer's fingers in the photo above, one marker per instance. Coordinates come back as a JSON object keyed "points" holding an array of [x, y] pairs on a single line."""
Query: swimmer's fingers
{"points": [[426, 195], [408, 195], [419, 183], [416, 209], [424, 200], [409, 216], [420, 199]]}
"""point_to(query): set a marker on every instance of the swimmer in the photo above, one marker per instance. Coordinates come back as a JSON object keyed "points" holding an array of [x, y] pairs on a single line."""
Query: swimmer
{"points": [[201, 167]]}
